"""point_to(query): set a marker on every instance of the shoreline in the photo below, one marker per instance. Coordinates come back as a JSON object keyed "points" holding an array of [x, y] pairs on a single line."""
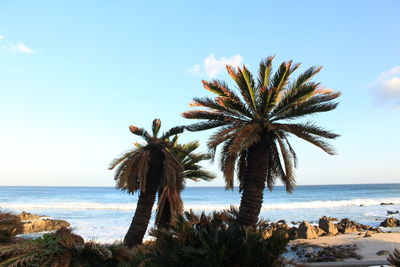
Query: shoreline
{"points": [[367, 247]]}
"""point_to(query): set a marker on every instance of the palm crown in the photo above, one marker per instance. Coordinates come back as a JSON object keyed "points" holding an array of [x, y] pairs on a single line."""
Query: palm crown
{"points": [[133, 166], [263, 113], [170, 204]]}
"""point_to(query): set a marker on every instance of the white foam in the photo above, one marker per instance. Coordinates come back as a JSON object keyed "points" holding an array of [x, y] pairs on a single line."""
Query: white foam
{"points": [[200, 206]]}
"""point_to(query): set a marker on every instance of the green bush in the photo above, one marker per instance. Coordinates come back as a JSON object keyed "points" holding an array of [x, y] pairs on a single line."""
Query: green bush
{"points": [[63, 248], [213, 240], [10, 226]]}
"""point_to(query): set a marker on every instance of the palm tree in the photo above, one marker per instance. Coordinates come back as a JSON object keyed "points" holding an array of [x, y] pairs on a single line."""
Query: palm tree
{"points": [[148, 168], [253, 129], [170, 205]]}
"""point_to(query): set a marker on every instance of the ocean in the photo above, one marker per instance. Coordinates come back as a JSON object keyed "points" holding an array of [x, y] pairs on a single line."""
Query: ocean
{"points": [[104, 213]]}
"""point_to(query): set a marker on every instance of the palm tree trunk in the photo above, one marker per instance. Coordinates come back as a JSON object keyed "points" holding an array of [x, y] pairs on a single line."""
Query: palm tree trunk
{"points": [[141, 219], [254, 183], [146, 200]]}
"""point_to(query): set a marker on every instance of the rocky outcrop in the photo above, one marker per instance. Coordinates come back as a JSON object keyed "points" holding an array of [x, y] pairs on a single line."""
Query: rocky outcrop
{"points": [[307, 231], [347, 226], [326, 225], [26, 216], [390, 222], [32, 223], [385, 204], [42, 225], [309, 253]]}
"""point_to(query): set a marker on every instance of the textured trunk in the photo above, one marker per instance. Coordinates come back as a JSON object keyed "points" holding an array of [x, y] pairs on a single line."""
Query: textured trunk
{"points": [[142, 216], [253, 187]]}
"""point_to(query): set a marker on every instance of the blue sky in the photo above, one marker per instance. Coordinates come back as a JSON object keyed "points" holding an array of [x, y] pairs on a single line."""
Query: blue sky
{"points": [[75, 74]]}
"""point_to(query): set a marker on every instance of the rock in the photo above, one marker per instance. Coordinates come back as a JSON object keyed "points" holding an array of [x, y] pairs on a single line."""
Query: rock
{"points": [[389, 212], [346, 226], [307, 231], [293, 233], [26, 216], [362, 205], [320, 232], [367, 234], [383, 252], [41, 225], [390, 222], [385, 204], [326, 225]]}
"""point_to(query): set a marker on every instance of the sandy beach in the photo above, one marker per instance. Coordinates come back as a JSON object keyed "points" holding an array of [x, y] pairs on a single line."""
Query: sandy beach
{"points": [[367, 247]]}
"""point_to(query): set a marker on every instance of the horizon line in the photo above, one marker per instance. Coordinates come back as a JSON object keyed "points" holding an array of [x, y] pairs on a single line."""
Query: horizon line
{"points": [[211, 186]]}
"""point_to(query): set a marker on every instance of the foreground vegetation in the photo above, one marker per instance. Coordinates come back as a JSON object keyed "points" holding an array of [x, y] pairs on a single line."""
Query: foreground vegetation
{"points": [[10, 227], [193, 240]]}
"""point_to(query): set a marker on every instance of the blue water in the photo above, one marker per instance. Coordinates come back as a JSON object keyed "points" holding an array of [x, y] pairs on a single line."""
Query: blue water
{"points": [[104, 213]]}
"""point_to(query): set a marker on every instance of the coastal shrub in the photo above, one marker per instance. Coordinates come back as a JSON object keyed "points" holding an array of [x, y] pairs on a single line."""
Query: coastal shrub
{"points": [[63, 248], [10, 227], [394, 258], [213, 240]]}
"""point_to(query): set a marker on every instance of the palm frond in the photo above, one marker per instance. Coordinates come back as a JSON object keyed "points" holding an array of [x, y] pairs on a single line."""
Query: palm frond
{"points": [[173, 131], [140, 132], [156, 127]]}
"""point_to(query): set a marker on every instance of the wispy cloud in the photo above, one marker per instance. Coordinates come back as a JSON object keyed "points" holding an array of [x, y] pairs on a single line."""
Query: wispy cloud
{"points": [[1, 37], [18, 48], [387, 87], [213, 66]]}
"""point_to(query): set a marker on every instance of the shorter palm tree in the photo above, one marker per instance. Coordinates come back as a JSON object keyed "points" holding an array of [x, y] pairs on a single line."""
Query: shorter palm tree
{"points": [[146, 169], [170, 205]]}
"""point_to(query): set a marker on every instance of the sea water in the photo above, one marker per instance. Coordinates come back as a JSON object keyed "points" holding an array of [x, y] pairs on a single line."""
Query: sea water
{"points": [[104, 213]]}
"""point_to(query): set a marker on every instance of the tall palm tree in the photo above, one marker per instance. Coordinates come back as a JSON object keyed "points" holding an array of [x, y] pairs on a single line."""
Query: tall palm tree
{"points": [[148, 168], [253, 128], [170, 205]]}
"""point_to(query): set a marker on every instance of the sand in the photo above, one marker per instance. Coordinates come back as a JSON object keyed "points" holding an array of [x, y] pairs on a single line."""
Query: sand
{"points": [[367, 247]]}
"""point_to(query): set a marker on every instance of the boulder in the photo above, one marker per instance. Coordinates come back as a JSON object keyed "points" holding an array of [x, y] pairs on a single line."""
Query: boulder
{"points": [[41, 225], [307, 231], [319, 231], [390, 222], [326, 225], [346, 226]]}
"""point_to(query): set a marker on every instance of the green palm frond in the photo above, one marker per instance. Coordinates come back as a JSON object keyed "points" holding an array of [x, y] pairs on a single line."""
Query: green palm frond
{"points": [[262, 111]]}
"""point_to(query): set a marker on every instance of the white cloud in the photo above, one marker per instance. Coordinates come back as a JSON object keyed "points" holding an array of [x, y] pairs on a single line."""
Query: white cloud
{"points": [[195, 70], [387, 87], [18, 48], [1, 37], [213, 66]]}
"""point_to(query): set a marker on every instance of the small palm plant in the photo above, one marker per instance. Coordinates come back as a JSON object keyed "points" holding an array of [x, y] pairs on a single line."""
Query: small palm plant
{"points": [[254, 127], [63, 248], [185, 154], [146, 169]]}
